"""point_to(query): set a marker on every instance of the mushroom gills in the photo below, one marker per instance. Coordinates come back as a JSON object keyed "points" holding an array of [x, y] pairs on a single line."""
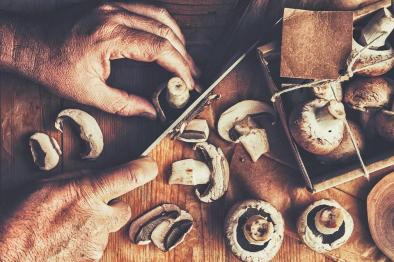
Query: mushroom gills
{"points": [[189, 172], [144, 233], [45, 151], [195, 131], [177, 233], [90, 131]]}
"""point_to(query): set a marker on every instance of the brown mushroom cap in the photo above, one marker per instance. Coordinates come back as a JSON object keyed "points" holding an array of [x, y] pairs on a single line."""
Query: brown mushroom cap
{"points": [[314, 239], [346, 149], [317, 126], [385, 124], [364, 93], [234, 231]]}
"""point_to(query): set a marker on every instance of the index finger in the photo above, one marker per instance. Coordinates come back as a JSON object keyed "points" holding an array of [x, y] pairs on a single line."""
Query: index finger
{"points": [[121, 180]]}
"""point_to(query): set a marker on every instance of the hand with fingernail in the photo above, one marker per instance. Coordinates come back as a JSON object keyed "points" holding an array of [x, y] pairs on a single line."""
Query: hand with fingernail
{"points": [[73, 58], [70, 219]]}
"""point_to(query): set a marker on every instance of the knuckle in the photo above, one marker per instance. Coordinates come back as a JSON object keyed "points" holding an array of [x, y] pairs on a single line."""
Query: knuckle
{"points": [[164, 31], [161, 45], [133, 174]]}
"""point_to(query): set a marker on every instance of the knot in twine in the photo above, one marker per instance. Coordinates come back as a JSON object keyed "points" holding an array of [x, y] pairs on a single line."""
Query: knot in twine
{"points": [[349, 73]]}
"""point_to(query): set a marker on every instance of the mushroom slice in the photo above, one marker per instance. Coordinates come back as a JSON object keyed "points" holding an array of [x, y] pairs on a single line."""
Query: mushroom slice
{"points": [[318, 126], [364, 93], [346, 150], [325, 225], [195, 131], [254, 230], [220, 173], [171, 232], [141, 228], [177, 93], [45, 151], [330, 91], [238, 112], [378, 29], [385, 124], [189, 172], [90, 131], [255, 143]]}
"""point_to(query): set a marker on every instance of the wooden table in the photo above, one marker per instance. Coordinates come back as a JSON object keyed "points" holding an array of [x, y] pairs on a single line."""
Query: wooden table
{"points": [[26, 108]]}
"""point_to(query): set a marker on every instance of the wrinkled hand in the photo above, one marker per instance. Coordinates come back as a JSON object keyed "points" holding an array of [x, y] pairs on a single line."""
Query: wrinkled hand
{"points": [[72, 56], [70, 220]]}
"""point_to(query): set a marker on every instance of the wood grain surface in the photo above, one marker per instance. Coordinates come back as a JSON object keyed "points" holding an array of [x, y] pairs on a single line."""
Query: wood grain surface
{"points": [[26, 107]]}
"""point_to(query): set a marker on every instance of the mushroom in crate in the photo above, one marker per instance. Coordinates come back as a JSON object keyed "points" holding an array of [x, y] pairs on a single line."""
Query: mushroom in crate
{"points": [[325, 225], [254, 230]]}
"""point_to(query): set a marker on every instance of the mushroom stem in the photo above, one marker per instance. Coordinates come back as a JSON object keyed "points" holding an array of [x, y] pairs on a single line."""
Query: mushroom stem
{"points": [[328, 220], [332, 111], [177, 93], [258, 230]]}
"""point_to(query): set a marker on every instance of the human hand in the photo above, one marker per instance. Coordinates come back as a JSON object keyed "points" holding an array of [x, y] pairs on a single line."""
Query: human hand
{"points": [[71, 56], [70, 220]]}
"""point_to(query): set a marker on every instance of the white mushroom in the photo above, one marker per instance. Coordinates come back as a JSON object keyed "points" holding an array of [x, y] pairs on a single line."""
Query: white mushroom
{"points": [[254, 230], [220, 173], [330, 91], [189, 172], [45, 151], [318, 126], [196, 131], [378, 29], [325, 225], [90, 131], [177, 93], [364, 93], [255, 143], [171, 232]]}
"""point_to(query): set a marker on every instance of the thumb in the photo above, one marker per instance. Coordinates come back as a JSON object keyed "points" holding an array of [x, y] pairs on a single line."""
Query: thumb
{"points": [[120, 216], [120, 180], [119, 102]]}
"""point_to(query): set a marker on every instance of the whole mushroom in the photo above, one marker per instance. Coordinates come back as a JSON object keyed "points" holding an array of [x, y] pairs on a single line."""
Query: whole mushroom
{"points": [[318, 126], [325, 225], [364, 93], [385, 124], [254, 230], [346, 149]]}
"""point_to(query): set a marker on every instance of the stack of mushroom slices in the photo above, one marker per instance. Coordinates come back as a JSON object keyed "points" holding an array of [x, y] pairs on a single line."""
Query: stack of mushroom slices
{"points": [[325, 225], [254, 230], [165, 225]]}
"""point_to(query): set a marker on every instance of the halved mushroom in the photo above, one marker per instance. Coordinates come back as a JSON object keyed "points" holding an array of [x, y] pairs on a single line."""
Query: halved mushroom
{"points": [[220, 173], [378, 29], [364, 93], [236, 125], [196, 131], [90, 131], [254, 230], [189, 172], [325, 225], [141, 228], [318, 126], [329, 91], [171, 232], [385, 124], [45, 151], [346, 150]]}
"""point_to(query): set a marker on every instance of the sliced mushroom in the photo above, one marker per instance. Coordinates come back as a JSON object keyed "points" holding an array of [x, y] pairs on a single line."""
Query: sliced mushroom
{"points": [[330, 91], [220, 173], [90, 131], [371, 62], [171, 232], [346, 150], [196, 131], [177, 93], [325, 225], [255, 143], [45, 151], [141, 228], [254, 230], [364, 93], [189, 172], [378, 29], [239, 112], [385, 124], [318, 126]]}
